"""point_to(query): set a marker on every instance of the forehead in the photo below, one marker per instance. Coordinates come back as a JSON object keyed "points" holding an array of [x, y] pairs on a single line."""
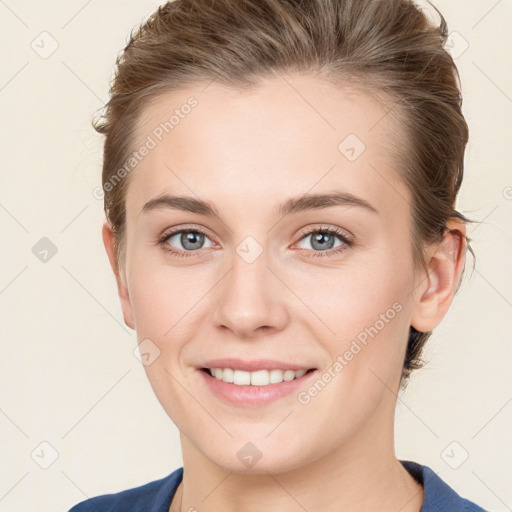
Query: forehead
{"points": [[287, 136]]}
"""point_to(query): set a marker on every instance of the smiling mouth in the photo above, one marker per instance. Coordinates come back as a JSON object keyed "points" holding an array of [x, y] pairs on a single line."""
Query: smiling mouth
{"points": [[255, 378]]}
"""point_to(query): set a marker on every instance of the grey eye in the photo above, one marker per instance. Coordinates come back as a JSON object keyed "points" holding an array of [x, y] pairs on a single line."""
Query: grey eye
{"points": [[190, 240], [321, 241]]}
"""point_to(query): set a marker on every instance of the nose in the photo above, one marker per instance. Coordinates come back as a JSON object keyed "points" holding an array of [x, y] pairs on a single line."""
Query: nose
{"points": [[250, 300]]}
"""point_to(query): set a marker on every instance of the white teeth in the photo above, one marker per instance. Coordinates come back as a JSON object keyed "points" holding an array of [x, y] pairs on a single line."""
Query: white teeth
{"points": [[257, 378], [239, 377], [227, 375]]}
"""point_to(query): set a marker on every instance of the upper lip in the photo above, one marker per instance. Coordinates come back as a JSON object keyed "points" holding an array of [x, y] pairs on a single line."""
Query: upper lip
{"points": [[253, 365]]}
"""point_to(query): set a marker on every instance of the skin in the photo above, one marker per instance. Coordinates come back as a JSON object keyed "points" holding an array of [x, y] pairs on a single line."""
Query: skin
{"points": [[247, 152]]}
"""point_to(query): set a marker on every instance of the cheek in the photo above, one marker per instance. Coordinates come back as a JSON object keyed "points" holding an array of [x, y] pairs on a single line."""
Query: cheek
{"points": [[166, 303], [365, 315], [152, 304], [167, 300], [349, 299], [366, 354]]}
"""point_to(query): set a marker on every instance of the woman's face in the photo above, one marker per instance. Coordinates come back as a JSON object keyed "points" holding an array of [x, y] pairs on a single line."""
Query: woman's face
{"points": [[259, 284]]}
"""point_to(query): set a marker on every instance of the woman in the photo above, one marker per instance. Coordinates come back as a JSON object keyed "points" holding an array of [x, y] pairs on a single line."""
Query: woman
{"points": [[280, 181]]}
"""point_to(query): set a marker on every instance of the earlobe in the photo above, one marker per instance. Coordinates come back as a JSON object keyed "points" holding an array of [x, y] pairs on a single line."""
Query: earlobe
{"points": [[437, 287], [122, 289]]}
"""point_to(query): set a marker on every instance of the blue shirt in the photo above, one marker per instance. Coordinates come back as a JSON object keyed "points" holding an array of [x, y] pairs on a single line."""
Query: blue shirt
{"points": [[156, 496]]}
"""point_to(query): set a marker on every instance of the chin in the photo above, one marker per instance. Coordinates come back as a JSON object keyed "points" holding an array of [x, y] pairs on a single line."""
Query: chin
{"points": [[256, 458]]}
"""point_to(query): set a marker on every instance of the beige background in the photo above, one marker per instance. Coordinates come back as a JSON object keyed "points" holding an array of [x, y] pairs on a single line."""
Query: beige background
{"points": [[69, 378]]}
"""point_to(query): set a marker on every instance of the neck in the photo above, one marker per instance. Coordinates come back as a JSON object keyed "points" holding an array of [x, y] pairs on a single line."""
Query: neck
{"points": [[358, 476]]}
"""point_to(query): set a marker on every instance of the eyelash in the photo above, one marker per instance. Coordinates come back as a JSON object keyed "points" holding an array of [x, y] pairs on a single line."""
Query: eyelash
{"points": [[347, 242]]}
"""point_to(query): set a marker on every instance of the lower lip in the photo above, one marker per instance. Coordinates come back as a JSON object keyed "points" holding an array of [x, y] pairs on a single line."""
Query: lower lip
{"points": [[253, 396]]}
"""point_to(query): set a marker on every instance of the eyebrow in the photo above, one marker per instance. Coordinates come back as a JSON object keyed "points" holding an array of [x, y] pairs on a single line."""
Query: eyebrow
{"points": [[318, 201], [293, 205]]}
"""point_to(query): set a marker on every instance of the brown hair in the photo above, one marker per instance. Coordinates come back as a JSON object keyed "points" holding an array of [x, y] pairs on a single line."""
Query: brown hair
{"points": [[389, 47]]}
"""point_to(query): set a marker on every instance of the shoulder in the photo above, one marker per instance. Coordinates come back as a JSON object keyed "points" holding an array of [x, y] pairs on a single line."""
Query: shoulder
{"points": [[439, 496], [154, 496]]}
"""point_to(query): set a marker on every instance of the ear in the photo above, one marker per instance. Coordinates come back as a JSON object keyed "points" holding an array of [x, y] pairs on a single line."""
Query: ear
{"points": [[437, 288], [122, 289]]}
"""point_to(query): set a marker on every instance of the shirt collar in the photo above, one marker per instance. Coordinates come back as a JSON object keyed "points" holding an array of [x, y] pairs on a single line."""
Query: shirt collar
{"points": [[437, 494]]}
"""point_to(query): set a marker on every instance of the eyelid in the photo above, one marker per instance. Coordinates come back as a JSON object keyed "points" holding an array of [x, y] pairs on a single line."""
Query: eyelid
{"points": [[186, 227], [343, 233]]}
